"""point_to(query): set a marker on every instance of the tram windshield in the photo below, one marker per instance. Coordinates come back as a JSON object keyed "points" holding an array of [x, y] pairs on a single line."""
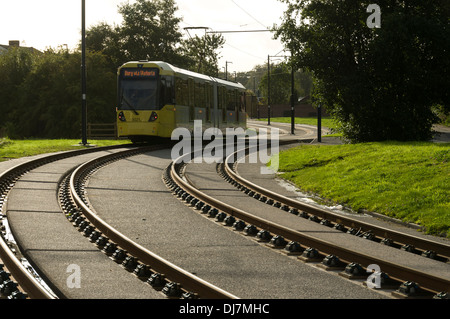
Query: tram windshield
{"points": [[138, 94], [138, 89]]}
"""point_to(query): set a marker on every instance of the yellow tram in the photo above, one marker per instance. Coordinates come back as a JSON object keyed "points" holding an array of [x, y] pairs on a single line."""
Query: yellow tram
{"points": [[154, 98]]}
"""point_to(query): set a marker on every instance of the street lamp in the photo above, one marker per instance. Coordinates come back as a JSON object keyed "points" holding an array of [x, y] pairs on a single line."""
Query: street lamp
{"points": [[83, 75], [292, 100], [319, 123]]}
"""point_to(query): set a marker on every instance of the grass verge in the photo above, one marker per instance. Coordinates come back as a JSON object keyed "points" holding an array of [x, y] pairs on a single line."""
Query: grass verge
{"points": [[10, 149], [408, 181]]}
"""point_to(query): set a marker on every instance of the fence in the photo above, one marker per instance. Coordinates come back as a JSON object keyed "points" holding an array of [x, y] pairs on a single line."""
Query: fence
{"points": [[284, 110], [102, 131]]}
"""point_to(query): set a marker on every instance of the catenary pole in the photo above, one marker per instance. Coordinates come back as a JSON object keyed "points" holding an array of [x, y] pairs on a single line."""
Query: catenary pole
{"points": [[292, 100], [268, 90], [83, 75]]}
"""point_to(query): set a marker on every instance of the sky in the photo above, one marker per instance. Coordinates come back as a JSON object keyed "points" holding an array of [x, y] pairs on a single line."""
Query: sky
{"points": [[53, 23]]}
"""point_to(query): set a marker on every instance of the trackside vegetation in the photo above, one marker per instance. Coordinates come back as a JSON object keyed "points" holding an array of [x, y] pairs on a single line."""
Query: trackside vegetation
{"points": [[404, 180], [379, 83], [11, 149]]}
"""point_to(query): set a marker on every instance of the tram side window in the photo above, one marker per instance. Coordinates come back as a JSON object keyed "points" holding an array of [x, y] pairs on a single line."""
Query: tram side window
{"points": [[191, 92], [191, 102], [199, 95], [182, 91], [220, 97], [232, 100], [242, 102], [208, 100], [225, 103], [166, 91]]}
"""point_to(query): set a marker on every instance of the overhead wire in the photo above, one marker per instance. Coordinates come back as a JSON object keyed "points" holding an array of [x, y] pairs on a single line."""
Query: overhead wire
{"points": [[266, 29], [264, 26]]}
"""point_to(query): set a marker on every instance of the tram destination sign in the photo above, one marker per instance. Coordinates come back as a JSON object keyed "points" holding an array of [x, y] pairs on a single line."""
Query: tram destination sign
{"points": [[139, 73]]}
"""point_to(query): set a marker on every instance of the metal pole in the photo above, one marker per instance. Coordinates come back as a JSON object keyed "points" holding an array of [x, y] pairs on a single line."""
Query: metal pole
{"points": [[292, 102], [226, 69], [83, 74], [319, 123], [268, 90]]}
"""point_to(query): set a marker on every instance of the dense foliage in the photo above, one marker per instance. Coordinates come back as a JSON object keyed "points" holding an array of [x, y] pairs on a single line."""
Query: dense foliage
{"points": [[150, 30], [281, 84], [40, 93], [379, 83]]}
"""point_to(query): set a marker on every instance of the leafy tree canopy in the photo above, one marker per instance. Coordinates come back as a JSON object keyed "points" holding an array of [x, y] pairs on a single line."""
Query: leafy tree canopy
{"points": [[202, 52], [150, 30], [40, 93], [379, 83], [44, 93]]}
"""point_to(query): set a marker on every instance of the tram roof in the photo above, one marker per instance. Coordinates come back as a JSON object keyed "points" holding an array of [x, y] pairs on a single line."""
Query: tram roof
{"points": [[189, 74]]}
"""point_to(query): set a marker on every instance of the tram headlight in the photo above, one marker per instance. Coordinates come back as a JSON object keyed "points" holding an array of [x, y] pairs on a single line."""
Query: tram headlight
{"points": [[153, 117], [122, 117]]}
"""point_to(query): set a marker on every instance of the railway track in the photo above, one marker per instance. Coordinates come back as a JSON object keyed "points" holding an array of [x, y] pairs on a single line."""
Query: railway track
{"points": [[146, 266], [175, 282], [405, 282], [17, 273], [417, 245], [158, 272]]}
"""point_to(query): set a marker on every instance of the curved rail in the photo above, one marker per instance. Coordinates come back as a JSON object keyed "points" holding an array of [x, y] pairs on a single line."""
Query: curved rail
{"points": [[171, 271], [27, 281], [430, 283], [430, 248]]}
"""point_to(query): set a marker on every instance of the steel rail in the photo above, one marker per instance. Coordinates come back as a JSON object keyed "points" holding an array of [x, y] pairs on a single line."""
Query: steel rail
{"points": [[382, 232], [173, 272], [25, 279], [397, 272]]}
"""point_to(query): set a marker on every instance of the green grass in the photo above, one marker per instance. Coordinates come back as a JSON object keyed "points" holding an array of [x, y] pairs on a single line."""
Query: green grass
{"points": [[408, 181], [10, 149]]}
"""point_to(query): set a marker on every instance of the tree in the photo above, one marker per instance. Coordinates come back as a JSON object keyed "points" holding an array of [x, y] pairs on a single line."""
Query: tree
{"points": [[105, 39], [47, 99], [281, 81], [15, 66], [280, 84], [150, 30], [379, 83], [202, 52], [254, 78]]}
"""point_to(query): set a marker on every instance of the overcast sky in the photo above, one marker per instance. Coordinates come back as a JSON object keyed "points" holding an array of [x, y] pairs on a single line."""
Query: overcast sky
{"points": [[51, 23]]}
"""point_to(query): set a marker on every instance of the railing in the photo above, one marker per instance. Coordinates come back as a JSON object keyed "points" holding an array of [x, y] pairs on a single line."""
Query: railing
{"points": [[102, 131]]}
